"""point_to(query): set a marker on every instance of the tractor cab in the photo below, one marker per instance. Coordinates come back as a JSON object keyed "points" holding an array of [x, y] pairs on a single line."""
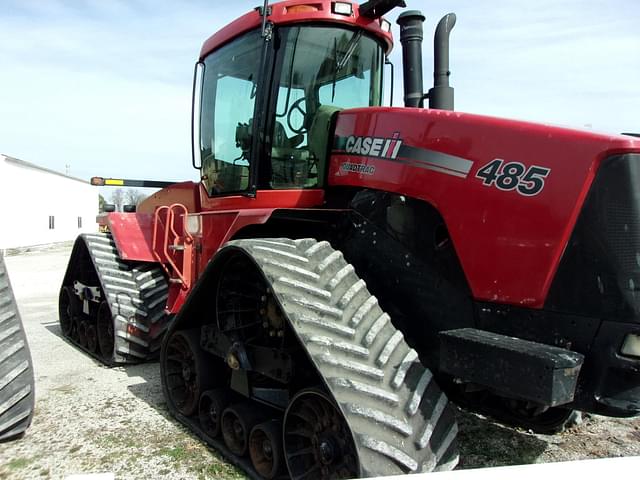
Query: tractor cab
{"points": [[265, 96]]}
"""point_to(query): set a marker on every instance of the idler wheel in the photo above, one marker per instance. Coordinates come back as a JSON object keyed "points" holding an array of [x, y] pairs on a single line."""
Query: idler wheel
{"points": [[212, 404], [265, 448], [237, 422], [92, 337], [104, 331], [82, 333], [317, 440], [67, 309], [185, 371]]}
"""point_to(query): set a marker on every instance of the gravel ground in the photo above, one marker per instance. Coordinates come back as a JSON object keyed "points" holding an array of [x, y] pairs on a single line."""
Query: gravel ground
{"points": [[91, 419]]}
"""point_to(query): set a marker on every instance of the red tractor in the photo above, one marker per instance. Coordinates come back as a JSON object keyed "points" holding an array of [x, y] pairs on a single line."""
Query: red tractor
{"points": [[341, 264]]}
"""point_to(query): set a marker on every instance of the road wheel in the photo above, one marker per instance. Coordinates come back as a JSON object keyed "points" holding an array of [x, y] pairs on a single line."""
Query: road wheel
{"points": [[104, 331]]}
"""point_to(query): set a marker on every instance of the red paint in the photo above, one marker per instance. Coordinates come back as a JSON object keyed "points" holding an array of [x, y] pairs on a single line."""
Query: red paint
{"points": [[509, 245], [132, 233], [283, 14], [223, 217], [185, 193], [263, 199]]}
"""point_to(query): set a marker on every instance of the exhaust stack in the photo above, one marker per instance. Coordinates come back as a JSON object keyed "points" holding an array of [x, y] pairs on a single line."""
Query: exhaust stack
{"points": [[441, 95], [411, 38]]}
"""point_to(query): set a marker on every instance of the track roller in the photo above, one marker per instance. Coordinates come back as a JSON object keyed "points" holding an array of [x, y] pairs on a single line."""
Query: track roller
{"points": [[92, 338], [82, 333], [75, 324], [68, 306], [237, 423], [265, 448], [212, 404], [104, 330]]}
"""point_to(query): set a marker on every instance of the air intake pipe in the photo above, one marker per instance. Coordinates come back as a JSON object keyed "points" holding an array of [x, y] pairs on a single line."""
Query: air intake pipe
{"points": [[411, 38], [441, 95]]}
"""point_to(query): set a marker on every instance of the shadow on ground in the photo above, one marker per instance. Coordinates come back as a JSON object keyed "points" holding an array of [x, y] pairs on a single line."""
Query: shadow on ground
{"points": [[484, 443]]}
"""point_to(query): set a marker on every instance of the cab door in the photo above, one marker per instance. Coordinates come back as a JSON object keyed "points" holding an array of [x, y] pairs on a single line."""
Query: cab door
{"points": [[228, 95]]}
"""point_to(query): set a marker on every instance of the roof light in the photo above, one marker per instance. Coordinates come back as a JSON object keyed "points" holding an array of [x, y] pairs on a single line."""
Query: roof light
{"points": [[385, 25], [303, 8], [342, 8]]}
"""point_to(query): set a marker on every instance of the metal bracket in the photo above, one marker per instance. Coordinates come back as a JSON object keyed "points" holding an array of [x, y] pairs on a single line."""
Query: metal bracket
{"points": [[87, 294]]}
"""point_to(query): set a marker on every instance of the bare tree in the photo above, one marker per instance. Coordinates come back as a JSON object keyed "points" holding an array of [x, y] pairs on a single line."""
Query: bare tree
{"points": [[117, 198], [134, 197]]}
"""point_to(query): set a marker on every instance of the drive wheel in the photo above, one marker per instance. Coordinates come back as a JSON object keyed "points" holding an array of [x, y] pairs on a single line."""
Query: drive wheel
{"points": [[67, 310], [184, 370], [317, 440], [104, 331]]}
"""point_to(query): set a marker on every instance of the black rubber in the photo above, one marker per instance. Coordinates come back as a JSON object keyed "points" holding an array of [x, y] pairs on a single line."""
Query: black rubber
{"points": [[400, 420], [16, 368], [135, 294]]}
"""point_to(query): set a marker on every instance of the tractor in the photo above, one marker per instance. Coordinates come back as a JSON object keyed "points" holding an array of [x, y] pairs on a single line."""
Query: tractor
{"points": [[344, 272]]}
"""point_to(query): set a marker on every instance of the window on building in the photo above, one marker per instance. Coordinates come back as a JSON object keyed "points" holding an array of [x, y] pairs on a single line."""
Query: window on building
{"points": [[79, 222], [51, 222]]}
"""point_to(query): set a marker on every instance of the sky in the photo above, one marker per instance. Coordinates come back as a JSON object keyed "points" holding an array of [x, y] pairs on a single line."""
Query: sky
{"points": [[103, 87]]}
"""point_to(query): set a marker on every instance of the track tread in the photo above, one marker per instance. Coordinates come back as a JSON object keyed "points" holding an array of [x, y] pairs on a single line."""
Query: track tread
{"points": [[16, 368], [136, 293], [400, 420]]}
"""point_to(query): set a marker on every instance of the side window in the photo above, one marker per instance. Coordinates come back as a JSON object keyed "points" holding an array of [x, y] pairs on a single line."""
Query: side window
{"points": [[226, 113]]}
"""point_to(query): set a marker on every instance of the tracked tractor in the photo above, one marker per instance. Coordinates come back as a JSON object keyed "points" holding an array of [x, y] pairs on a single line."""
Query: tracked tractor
{"points": [[343, 269]]}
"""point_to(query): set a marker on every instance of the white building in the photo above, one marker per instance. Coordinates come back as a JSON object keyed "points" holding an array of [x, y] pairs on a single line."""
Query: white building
{"points": [[39, 206]]}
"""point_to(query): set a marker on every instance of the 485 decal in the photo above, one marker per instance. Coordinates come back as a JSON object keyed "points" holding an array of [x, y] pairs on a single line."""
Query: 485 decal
{"points": [[509, 176]]}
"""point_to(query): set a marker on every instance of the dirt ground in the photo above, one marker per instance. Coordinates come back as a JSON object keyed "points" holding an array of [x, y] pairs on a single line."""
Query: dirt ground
{"points": [[92, 419]]}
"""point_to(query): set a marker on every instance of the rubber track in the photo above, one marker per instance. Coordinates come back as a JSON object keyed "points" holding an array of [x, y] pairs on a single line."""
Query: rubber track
{"points": [[400, 420], [136, 293], [16, 369]]}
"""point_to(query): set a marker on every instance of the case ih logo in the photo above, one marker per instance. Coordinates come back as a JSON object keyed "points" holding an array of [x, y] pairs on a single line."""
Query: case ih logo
{"points": [[374, 146]]}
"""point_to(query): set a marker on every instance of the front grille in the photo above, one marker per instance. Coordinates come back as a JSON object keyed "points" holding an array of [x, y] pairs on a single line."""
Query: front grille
{"points": [[599, 274]]}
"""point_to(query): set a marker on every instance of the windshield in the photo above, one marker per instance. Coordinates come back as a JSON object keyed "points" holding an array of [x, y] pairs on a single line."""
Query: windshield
{"points": [[323, 69]]}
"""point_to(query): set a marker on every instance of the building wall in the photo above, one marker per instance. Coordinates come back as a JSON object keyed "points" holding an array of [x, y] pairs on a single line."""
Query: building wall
{"points": [[29, 196]]}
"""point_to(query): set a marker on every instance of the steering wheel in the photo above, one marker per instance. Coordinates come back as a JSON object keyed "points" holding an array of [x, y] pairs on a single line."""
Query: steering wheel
{"points": [[297, 107]]}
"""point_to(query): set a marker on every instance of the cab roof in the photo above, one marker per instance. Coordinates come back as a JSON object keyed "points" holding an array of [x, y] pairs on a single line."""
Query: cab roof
{"points": [[296, 12]]}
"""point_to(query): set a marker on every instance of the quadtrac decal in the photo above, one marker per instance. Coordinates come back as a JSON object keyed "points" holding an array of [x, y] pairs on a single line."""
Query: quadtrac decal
{"points": [[396, 150], [508, 176]]}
